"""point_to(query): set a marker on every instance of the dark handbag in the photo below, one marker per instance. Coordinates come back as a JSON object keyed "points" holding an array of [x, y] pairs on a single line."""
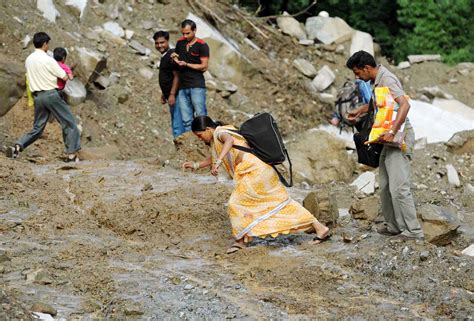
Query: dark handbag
{"points": [[367, 154]]}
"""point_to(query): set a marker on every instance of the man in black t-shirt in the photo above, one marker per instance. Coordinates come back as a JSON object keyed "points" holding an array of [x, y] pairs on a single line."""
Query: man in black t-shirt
{"points": [[192, 56], [169, 81]]}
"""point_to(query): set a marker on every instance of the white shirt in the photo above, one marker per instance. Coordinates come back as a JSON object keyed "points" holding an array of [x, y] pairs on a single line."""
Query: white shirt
{"points": [[42, 71]]}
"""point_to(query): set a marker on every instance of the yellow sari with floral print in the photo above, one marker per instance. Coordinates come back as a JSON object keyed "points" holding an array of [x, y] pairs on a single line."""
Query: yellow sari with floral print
{"points": [[259, 205]]}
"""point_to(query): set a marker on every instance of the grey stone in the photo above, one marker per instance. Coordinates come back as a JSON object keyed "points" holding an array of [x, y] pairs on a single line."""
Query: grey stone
{"points": [[39, 276], [306, 42], [44, 308], [340, 49], [211, 85], [122, 98], [26, 41], [94, 34], [424, 98], [146, 73], [48, 9], [424, 255], [188, 287], [435, 91], [439, 224], [290, 26], [365, 209], [75, 92], [326, 98], [469, 251], [252, 44], [421, 143], [114, 28], [453, 178], [328, 30], [322, 204], [324, 79], [12, 83], [365, 183], [129, 34], [403, 65], [361, 41], [102, 82], [147, 25], [305, 67], [414, 59], [138, 47], [77, 7], [228, 86], [469, 189], [90, 64], [465, 65], [461, 142]]}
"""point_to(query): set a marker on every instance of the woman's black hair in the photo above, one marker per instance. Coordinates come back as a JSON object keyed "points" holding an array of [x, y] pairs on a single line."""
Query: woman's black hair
{"points": [[200, 123]]}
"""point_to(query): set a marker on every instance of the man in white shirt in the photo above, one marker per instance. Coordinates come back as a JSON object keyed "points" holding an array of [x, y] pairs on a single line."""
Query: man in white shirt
{"points": [[43, 73]]}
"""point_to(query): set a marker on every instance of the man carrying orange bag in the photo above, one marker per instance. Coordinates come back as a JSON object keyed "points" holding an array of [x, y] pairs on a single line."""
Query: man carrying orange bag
{"points": [[398, 206]]}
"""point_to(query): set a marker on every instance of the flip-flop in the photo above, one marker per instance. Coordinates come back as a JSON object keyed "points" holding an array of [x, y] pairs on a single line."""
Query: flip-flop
{"points": [[234, 248], [318, 240]]}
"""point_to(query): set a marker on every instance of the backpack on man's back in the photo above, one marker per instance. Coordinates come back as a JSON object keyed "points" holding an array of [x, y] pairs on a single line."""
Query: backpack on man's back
{"points": [[349, 97]]}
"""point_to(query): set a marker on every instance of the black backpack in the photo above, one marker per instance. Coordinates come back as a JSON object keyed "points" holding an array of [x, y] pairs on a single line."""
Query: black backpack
{"points": [[262, 135], [348, 98]]}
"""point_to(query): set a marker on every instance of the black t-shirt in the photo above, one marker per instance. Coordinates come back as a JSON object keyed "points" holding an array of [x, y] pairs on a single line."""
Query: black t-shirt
{"points": [[165, 76], [190, 78]]}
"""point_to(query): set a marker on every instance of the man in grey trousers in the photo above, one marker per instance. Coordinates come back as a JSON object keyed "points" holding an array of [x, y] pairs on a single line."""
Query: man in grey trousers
{"points": [[398, 206], [43, 72]]}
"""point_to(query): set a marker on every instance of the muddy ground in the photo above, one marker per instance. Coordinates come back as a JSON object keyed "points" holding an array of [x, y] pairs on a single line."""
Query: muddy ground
{"points": [[139, 240]]}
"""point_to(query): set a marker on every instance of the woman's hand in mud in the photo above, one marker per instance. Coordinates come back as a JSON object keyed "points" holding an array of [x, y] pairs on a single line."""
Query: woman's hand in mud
{"points": [[187, 165], [215, 170]]}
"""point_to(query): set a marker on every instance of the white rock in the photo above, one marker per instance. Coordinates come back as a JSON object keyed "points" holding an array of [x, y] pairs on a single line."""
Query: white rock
{"points": [[48, 9], [306, 42], [305, 67], [89, 63], [323, 14], [252, 44], [112, 39], [365, 183], [138, 47], [465, 65], [328, 30], [42, 316], [414, 59], [361, 41], [114, 28], [327, 98], [469, 251], [129, 34], [26, 41], [146, 73], [324, 79], [78, 5], [102, 82], [230, 87], [456, 107], [421, 143], [403, 65], [290, 26], [75, 92], [469, 188], [452, 174], [340, 49]]}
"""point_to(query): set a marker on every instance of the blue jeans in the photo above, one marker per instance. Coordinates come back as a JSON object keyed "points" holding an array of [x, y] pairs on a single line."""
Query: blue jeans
{"points": [[176, 120], [192, 102]]}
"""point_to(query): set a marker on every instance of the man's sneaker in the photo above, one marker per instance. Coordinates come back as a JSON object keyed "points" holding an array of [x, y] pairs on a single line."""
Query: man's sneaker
{"points": [[384, 231], [13, 151]]}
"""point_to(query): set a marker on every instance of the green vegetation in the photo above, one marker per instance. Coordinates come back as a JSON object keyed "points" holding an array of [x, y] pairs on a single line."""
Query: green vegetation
{"points": [[401, 27]]}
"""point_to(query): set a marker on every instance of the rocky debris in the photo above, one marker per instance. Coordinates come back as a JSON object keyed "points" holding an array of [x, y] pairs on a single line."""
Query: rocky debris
{"points": [[439, 224], [39, 276], [340, 49], [26, 41], [306, 42], [139, 48], [148, 25], [361, 41], [421, 143], [305, 67], [75, 92], [290, 26], [227, 62], [324, 79], [12, 83], [319, 157], [77, 7], [112, 39], [453, 178], [328, 30], [44, 308], [365, 183], [90, 64], [326, 98], [114, 28], [146, 73], [366, 208], [228, 86], [415, 59], [322, 204], [434, 91], [129, 34], [469, 251], [461, 142], [48, 9], [102, 82], [404, 65]]}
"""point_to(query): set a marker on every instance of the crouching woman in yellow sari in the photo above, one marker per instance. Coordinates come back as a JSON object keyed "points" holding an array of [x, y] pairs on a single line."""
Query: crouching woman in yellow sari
{"points": [[259, 205]]}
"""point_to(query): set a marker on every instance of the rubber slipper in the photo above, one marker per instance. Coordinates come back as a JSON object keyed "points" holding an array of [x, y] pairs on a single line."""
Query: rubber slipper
{"points": [[319, 240], [234, 248]]}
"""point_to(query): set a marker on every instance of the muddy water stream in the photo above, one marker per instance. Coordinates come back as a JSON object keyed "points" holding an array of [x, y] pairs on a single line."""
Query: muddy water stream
{"points": [[133, 240]]}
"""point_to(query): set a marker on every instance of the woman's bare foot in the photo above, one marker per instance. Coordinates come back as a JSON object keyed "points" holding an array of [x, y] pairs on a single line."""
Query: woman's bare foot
{"points": [[322, 233]]}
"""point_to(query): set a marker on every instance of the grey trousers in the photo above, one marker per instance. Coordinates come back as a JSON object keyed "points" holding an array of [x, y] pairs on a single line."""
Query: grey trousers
{"points": [[50, 102], [398, 206]]}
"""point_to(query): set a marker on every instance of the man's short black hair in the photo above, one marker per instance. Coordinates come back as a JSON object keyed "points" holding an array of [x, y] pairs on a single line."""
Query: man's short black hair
{"points": [[40, 38], [59, 54], [360, 59], [190, 23], [161, 34]]}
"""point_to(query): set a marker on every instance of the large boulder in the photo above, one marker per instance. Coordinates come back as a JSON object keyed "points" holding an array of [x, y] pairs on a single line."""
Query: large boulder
{"points": [[361, 41], [226, 62], [89, 63], [305, 67], [75, 92], [328, 30], [77, 7], [319, 157], [12, 83], [461, 142], [366, 208], [290, 26], [324, 79], [322, 204], [439, 224], [48, 9], [114, 28]]}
